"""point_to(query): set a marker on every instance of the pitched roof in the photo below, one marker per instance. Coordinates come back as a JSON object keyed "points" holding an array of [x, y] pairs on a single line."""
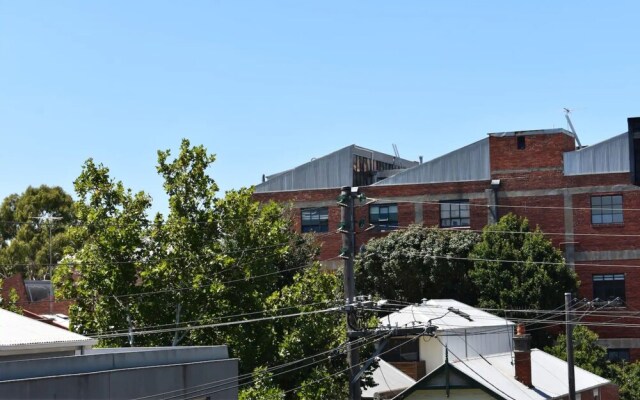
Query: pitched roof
{"points": [[22, 333], [388, 379], [333, 170], [468, 163], [608, 156], [495, 373], [446, 314]]}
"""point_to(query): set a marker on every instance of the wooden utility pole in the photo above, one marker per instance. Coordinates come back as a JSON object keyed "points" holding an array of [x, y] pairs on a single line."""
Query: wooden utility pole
{"points": [[569, 334], [347, 228]]}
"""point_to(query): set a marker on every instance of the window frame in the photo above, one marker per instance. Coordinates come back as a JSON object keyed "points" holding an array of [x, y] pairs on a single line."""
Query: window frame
{"points": [[387, 224], [314, 224], [613, 355], [606, 209], [460, 218], [611, 283]]}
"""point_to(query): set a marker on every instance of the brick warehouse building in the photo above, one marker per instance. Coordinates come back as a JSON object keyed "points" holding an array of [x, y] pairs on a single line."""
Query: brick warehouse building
{"points": [[586, 200]]}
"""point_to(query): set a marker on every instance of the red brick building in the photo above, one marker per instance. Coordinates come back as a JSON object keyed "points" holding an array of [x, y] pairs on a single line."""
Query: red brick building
{"points": [[586, 200]]}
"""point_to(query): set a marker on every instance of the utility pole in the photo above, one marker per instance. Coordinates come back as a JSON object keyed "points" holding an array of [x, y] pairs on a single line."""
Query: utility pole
{"points": [[569, 334], [347, 228]]}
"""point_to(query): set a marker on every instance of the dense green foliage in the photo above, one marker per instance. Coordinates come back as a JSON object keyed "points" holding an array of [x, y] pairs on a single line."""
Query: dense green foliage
{"points": [[418, 262], [26, 221], [589, 355], [189, 277], [516, 267]]}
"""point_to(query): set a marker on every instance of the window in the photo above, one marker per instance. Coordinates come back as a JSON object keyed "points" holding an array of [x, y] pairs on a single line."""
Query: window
{"points": [[608, 287], [384, 216], [315, 219], [400, 349], [454, 213], [521, 143], [606, 209], [618, 355]]}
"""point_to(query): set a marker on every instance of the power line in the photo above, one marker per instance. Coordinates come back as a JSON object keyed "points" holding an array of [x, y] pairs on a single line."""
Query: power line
{"points": [[222, 324], [221, 317]]}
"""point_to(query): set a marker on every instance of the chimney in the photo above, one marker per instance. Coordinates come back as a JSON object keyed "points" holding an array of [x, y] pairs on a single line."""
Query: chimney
{"points": [[522, 355]]}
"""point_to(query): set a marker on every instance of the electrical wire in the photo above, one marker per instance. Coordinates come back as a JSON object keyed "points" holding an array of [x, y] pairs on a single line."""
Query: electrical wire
{"points": [[222, 324], [221, 317], [174, 290]]}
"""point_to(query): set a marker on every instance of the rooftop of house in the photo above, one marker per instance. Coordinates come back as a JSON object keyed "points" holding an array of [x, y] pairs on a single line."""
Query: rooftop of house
{"points": [[19, 333], [446, 314], [496, 374]]}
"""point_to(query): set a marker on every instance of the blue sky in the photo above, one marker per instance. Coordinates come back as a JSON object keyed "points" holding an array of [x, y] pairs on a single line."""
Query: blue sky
{"points": [[268, 85]]}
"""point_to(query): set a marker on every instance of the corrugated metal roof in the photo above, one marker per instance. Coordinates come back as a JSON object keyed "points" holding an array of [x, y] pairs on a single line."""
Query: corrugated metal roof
{"points": [[469, 163], [334, 170], [18, 332], [548, 375], [446, 320], [609, 156]]}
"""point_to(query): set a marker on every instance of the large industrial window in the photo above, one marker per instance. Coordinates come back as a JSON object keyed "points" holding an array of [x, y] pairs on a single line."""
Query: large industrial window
{"points": [[384, 216], [608, 287], [315, 219], [606, 209], [454, 213]]}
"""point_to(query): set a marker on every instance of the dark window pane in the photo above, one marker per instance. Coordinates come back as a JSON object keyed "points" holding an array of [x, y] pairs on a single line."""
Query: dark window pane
{"points": [[454, 213], [606, 210]]}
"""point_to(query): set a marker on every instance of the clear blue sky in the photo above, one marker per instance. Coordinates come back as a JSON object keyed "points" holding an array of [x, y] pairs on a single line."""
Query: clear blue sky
{"points": [[267, 85]]}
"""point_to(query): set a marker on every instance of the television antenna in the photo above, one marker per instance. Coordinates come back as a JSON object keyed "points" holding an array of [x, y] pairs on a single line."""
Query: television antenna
{"points": [[567, 111]]}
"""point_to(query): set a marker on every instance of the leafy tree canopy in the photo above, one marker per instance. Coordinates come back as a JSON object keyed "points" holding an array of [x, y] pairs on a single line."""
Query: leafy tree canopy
{"points": [[587, 353], [418, 262], [208, 262], [31, 222], [516, 267]]}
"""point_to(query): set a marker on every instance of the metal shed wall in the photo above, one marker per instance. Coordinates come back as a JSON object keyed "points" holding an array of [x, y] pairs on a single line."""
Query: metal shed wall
{"points": [[469, 163], [609, 156], [331, 171]]}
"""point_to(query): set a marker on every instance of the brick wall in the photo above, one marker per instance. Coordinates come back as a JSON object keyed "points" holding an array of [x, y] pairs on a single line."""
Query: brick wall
{"points": [[532, 185], [540, 151], [45, 306]]}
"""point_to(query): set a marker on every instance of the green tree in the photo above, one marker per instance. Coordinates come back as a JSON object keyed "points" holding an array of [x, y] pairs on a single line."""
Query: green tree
{"points": [[263, 387], [208, 259], [516, 267], [627, 377], [106, 269], [587, 353], [418, 262], [11, 301], [34, 227], [301, 337]]}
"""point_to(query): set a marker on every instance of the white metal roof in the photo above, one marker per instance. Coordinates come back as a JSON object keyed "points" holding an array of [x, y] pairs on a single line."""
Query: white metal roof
{"points": [[548, 375], [22, 333], [388, 379], [439, 313]]}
